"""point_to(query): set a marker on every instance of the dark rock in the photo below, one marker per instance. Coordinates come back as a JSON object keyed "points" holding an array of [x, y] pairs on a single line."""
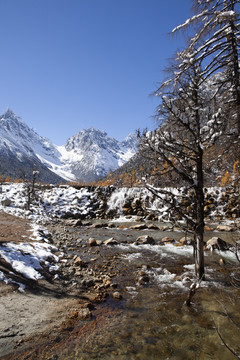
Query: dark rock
{"points": [[92, 242], [110, 241], [145, 239], [116, 295], [186, 240], [138, 227], [216, 243]]}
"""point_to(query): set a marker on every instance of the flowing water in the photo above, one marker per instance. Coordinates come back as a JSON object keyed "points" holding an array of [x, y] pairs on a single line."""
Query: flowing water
{"points": [[152, 321]]}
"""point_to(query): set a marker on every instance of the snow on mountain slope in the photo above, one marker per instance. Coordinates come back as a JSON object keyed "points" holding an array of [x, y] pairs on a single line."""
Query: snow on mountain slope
{"points": [[86, 156], [92, 153]]}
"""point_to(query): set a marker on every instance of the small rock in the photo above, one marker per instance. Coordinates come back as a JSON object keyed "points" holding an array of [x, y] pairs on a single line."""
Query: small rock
{"points": [[98, 225], [222, 262], [110, 241], [92, 242], [87, 305], [186, 240], [116, 295], [224, 228], [138, 227], [207, 228], [6, 202], [143, 278], [145, 239], [167, 240], [79, 262], [73, 314], [153, 227], [217, 243], [74, 223], [84, 314]]}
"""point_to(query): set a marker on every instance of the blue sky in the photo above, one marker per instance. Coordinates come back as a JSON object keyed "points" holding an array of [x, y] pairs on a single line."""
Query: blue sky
{"points": [[67, 65]]}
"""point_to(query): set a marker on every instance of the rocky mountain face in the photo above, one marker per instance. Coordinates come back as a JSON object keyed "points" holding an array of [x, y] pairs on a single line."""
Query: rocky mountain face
{"points": [[87, 156], [93, 154], [18, 145]]}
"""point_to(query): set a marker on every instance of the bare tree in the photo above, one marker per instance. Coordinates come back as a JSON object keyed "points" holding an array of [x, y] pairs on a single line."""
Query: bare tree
{"points": [[215, 43], [189, 124]]}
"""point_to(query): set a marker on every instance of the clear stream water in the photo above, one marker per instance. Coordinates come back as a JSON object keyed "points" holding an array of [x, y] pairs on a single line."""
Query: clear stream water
{"points": [[151, 321]]}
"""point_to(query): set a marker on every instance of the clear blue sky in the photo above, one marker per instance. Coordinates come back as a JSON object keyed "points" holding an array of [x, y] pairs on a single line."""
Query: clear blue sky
{"points": [[66, 65]]}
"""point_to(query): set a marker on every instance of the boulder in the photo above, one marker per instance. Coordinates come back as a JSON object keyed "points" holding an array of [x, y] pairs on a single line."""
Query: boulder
{"points": [[98, 225], [186, 240], [138, 227], [166, 240], [153, 227], [215, 243], [145, 239], [143, 278], [92, 242], [116, 295], [6, 202], [74, 223], [110, 241], [224, 228]]}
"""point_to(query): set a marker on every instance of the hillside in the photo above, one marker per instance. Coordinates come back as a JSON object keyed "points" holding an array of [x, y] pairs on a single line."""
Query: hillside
{"points": [[86, 156]]}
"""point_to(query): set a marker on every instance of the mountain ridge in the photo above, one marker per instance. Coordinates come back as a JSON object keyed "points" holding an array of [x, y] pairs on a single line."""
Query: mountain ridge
{"points": [[86, 156]]}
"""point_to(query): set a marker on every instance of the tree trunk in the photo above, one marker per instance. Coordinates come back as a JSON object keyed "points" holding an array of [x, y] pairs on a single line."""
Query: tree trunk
{"points": [[235, 69], [199, 230], [199, 255]]}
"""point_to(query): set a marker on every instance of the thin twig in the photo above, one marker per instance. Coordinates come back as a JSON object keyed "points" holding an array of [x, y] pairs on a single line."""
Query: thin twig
{"points": [[224, 342]]}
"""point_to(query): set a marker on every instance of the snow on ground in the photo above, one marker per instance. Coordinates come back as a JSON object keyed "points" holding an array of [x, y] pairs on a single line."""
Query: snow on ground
{"points": [[28, 258]]}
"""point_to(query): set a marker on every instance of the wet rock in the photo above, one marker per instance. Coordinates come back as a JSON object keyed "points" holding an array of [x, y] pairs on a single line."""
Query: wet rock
{"points": [[166, 240], [222, 262], [224, 228], [153, 227], [207, 228], [98, 225], [145, 239], [164, 228], [186, 240], [151, 216], [116, 295], [216, 243], [74, 223], [138, 227], [92, 242], [143, 278], [111, 225], [110, 241]]}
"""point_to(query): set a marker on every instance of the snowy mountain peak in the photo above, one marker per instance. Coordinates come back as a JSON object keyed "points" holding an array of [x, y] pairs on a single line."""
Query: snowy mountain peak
{"points": [[10, 115], [86, 156], [94, 153]]}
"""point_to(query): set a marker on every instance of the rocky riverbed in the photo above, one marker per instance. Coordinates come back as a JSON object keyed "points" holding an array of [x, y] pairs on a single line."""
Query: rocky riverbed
{"points": [[119, 293]]}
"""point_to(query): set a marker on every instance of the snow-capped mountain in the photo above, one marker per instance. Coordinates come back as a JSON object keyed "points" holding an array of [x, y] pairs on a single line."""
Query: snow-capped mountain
{"points": [[92, 153], [86, 156]]}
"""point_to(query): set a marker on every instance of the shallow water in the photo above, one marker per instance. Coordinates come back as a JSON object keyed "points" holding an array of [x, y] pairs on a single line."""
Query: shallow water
{"points": [[152, 321]]}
